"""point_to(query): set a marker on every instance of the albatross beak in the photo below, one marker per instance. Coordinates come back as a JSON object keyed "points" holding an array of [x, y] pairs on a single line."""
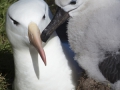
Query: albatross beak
{"points": [[35, 40], [59, 18]]}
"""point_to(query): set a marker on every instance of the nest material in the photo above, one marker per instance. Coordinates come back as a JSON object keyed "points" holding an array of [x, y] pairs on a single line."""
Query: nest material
{"points": [[86, 83]]}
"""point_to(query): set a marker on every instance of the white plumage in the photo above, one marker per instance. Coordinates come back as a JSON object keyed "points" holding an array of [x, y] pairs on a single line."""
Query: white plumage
{"points": [[94, 35], [30, 71]]}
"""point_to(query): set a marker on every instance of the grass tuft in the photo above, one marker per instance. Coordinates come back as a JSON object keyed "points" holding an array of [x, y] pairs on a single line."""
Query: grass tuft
{"points": [[3, 83], [4, 43]]}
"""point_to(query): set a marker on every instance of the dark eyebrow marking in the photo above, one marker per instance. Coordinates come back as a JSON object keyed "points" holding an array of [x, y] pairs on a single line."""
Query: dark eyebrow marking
{"points": [[14, 21]]}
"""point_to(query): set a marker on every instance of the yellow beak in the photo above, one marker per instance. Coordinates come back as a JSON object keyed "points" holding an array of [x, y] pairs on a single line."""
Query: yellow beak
{"points": [[35, 40]]}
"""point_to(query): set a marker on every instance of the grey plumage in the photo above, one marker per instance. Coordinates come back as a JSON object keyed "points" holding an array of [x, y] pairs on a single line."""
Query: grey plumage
{"points": [[110, 67]]}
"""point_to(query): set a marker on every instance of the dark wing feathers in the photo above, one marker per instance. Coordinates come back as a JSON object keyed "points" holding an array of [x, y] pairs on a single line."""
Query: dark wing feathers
{"points": [[110, 67]]}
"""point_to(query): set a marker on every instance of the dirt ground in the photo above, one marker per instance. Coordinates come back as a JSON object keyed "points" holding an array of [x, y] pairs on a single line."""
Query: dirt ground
{"points": [[86, 83]]}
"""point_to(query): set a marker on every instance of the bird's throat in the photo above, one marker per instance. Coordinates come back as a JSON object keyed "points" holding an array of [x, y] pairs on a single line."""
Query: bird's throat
{"points": [[26, 64]]}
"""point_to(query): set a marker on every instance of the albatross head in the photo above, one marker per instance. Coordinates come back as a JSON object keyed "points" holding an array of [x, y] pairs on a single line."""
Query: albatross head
{"points": [[66, 9], [23, 24]]}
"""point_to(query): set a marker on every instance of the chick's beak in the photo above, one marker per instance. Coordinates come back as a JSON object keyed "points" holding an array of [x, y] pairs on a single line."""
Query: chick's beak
{"points": [[35, 40], [60, 17]]}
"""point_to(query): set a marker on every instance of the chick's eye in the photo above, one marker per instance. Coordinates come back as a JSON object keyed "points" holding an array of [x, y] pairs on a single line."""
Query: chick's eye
{"points": [[14, 21], [73, 2]]}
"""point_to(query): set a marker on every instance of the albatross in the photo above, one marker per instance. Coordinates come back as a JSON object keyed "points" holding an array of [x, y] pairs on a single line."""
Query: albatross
{"points": [[38, 65], [94, 36]]}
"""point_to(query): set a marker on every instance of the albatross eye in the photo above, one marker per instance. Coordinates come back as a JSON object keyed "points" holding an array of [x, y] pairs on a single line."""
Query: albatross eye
{"points": [[44, 16], [14, 21], [73, 2]]}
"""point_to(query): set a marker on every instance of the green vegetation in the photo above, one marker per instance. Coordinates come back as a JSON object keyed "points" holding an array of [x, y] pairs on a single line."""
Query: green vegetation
{"points": [[51, 5], [6, 63], [4, 44], [3, 83]]}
